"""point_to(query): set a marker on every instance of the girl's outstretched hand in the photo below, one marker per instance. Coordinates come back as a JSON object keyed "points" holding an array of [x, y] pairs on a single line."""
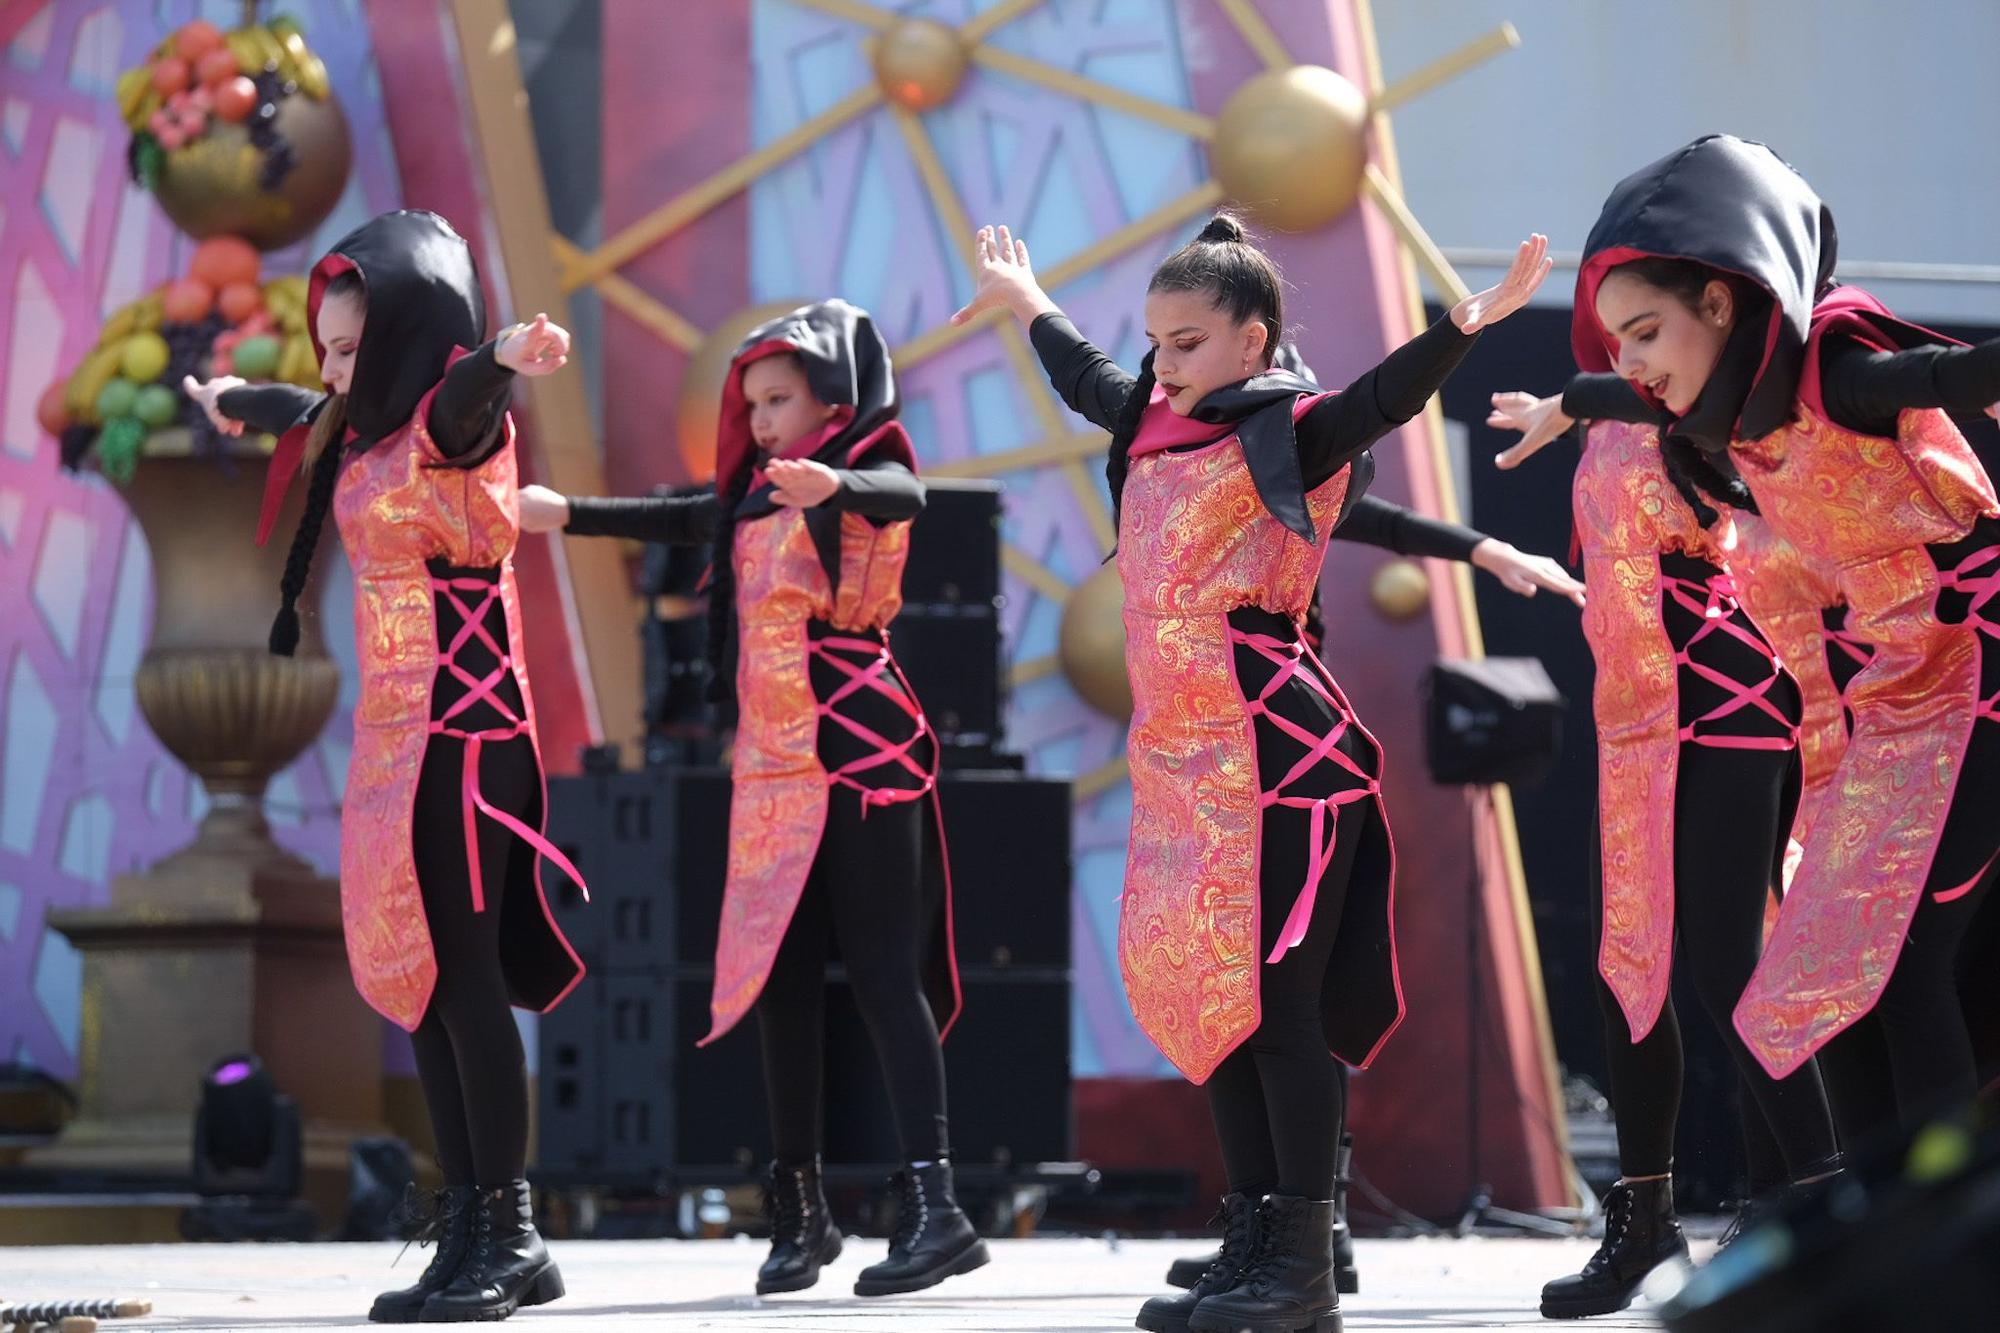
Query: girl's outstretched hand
{"points": [[1524, 573], [1006, 280], [1539, 420], [1531, 265], [800, 482], [208, 393], [543, 510], [535, 348]]}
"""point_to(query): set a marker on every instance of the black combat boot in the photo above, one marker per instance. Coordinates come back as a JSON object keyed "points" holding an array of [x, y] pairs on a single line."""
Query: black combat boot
{"points": [[803, 1236], [1640, 1233]]}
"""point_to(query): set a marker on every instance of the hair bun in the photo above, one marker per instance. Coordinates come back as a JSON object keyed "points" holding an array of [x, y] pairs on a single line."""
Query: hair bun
{"points": [[1222, 227]]}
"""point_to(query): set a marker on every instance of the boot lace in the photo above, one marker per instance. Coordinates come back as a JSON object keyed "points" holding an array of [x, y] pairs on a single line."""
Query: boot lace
{"points": [[913, 1211], [1238, 1227], [425, 1215], [1273, 1239], [786, 1207]]}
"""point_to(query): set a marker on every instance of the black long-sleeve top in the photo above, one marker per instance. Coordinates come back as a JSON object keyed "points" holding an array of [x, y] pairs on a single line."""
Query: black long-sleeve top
{"points": [[464, 417], [1332, 433], [1865, 390], [1372, 521], [885, 492]]}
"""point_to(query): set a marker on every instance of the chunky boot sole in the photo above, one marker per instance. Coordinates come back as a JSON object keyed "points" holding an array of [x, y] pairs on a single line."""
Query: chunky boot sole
{"points": [[1583, 1307], [1163, 1321], [397, 1313], [971, 1257], [1202, 1322], [829, 1250], [543, 1287]]}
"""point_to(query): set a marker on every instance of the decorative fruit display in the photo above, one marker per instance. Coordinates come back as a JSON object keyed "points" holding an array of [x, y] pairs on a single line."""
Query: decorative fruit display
{"points": [[223, 317], [237, 133]]}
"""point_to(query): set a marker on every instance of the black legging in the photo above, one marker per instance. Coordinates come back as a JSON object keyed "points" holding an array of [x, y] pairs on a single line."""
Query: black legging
{"points": [[1729, 816], [866, 889], [469, 1056], [1278, 1100]]}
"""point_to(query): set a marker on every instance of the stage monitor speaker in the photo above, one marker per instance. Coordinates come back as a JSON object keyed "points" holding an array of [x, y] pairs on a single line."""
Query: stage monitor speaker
{"points": [[955, 546], [1490, 719]]}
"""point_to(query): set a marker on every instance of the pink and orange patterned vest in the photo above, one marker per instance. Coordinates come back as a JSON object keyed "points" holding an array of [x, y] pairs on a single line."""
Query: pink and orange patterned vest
{"points": [[399, 504], [1865, 507], [1196, 543], [778, 807]]}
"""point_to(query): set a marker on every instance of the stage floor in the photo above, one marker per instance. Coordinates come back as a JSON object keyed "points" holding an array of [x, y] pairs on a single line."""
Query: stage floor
{"points": [[1050, 1286]]}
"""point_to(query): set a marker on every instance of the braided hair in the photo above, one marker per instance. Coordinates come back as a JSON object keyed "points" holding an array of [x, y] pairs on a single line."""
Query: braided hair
{"points": [[1242, 282], [324, 447]]}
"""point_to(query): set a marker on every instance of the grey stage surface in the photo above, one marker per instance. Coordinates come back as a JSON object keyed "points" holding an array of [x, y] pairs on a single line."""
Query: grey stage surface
{"points": [[1056, 1286]]}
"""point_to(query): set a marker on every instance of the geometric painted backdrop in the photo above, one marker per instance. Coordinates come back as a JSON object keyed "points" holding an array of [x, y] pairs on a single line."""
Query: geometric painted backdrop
{"points": [[86, 792]]}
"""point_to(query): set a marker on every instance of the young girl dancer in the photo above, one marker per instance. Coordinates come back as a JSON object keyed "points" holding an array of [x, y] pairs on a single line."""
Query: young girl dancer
{"points": [[1255, 924], [1697, 727], [833, 826], [1373, 521], [1708, 286], [413, 451]]}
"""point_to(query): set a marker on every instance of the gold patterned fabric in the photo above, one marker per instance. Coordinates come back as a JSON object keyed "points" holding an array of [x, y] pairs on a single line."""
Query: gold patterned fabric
{"points": [[399, 504], [1195, 544], [1787, 594], [1627, 514], [780, 786], [1866, 507]]}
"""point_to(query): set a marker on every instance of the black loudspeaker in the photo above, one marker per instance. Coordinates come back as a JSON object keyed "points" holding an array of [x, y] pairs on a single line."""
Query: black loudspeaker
{"points": [[955, 546], [625, 1096], [1490, 719], [947, 636]]}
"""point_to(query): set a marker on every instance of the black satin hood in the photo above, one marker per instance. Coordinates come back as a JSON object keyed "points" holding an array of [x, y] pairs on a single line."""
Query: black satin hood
{"points": [[423, 302]]}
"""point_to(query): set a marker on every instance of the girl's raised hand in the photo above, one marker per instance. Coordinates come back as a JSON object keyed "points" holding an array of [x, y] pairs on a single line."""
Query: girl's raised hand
{"points": [[1005, 278], [1539, 420], [535, 348], [208, 393], [1531, 265]]}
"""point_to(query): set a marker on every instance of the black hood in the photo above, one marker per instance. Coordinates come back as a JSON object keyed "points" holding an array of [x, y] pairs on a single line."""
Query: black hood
{"points": [[423, 302]]}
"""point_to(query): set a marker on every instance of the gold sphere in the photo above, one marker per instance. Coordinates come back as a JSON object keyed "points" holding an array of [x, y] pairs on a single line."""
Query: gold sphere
{"points": [[920, 63], [1091, 644], [1400, 590], [1290, 146], [211, 187], [699, 402]]}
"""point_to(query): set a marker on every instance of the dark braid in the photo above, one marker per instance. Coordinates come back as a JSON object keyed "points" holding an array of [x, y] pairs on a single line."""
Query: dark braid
{"points": [[722, 591], [1695, 475], [298, 564]]}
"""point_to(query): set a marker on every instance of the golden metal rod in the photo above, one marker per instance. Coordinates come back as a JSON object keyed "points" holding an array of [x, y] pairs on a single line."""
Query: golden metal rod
{"points": [[591, 575], [1101, 779], [1244, 17], [1446, 68], [1206, 195], [1032, 669], [661, 320], [853, 11], [981, 26], [1178, 119], [696, 200], [1033, 572], [1081, 447], [1450, 286]]}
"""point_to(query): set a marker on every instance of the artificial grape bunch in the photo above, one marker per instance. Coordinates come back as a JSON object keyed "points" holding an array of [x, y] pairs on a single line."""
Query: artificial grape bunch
{"points": [[279, 159]]}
